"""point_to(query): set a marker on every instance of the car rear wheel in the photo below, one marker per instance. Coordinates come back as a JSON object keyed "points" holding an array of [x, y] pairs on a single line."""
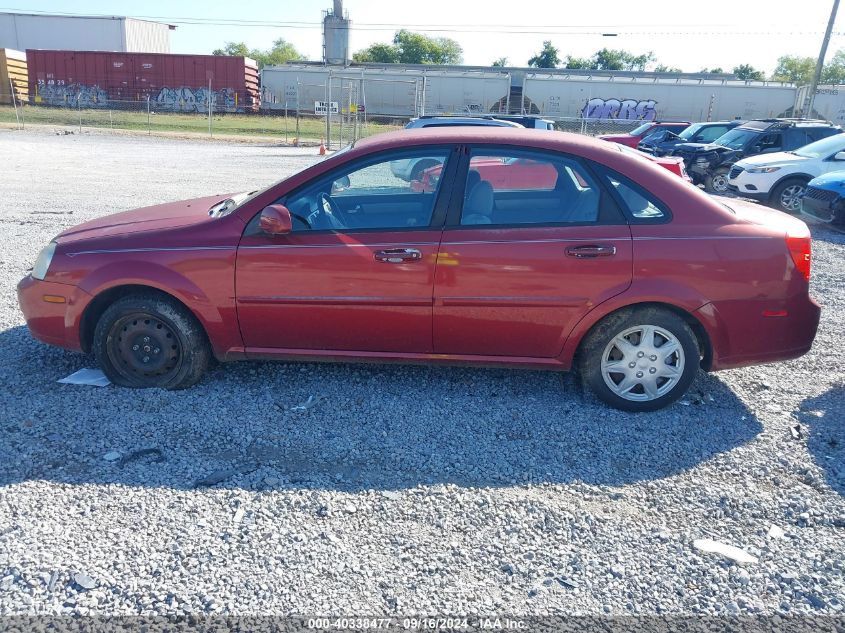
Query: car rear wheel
{"points": [[147, 340], [717, 182], [787, 195], [640, 359]]}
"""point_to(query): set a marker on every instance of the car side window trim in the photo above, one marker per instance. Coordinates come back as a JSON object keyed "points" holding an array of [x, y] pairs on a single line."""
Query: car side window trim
{"points": [[456, 201], [441, 204]]}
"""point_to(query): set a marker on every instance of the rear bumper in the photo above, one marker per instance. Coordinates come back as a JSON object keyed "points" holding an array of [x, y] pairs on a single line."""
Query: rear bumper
{"points": [[52, 323], [759, 331]]}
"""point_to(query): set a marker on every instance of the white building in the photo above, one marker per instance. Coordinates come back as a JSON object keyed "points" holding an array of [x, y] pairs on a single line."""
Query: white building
{"points": [[21, 31]]}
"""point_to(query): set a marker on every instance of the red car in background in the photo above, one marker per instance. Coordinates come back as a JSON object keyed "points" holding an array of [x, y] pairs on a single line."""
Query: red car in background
{"points": [[520, 173], [631, 139], [616, 268]]}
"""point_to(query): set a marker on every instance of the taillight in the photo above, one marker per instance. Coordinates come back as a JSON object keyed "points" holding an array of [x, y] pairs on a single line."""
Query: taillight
{"points": [[800, 250]]}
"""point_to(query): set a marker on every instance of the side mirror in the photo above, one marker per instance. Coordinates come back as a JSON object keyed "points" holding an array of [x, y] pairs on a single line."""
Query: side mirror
{"points": [[340, 184], [275, 220], [839, 156], [756, 149]]}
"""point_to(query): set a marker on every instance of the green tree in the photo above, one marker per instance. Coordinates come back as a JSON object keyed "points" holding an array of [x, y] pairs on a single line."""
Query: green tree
{"points": [[235, 49], [746, 72], [281, 53], [663, 68], [795, 69], [612, 59], [717, 70], [546, 58], [502, 61], [577, 62], [834, 71], [378, 53], [412, 48]]}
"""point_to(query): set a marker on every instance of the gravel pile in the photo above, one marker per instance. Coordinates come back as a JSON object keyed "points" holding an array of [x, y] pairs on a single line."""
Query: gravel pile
{"points": [[344, 489]]}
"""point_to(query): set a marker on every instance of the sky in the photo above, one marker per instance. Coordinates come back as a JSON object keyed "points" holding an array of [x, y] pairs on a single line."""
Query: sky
{"points": [[687, 35]]}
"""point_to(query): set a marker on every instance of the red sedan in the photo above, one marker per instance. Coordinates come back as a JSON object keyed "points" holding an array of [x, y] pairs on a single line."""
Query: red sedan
{"points": [[614, 267]]}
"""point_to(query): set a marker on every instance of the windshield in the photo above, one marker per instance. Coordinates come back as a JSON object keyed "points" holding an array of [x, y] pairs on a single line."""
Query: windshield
{"points": [[823, 148], [690, 131], [640, 129], [736, 138], [246, 197]]}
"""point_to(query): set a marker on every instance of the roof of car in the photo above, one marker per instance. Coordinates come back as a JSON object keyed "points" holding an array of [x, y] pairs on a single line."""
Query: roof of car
{"points": [[566, 142]]}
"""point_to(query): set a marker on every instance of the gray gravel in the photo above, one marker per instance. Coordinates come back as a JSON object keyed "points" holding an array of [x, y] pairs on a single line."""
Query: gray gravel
{"points": [[403, 489]]}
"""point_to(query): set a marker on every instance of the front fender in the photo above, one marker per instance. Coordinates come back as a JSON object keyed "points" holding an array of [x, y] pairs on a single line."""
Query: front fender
{"points": [[206, 289]]}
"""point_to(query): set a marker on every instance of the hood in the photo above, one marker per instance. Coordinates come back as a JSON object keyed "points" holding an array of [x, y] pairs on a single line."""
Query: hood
{"points": [[834, 181], [775, 159], [700, 147], [161, 216]]}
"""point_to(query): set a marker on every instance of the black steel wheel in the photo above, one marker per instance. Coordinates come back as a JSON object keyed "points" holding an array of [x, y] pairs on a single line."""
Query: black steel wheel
{"points": [[150, 341]]}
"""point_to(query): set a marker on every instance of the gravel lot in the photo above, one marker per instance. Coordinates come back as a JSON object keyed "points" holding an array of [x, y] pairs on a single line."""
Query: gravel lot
{"points": [[404, 490]]}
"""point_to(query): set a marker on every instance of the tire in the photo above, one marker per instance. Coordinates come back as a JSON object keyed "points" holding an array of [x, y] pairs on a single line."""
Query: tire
{"points": [[717, 182], [420, 167], [602, 351], [159, 329], [786, 196]]}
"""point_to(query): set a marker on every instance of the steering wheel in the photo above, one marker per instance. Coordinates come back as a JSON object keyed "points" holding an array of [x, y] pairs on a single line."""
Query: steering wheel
{"points": [[330, 212]]}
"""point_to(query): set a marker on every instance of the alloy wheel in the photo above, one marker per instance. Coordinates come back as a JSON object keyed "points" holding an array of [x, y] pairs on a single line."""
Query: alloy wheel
{"points": [[790, 197]]}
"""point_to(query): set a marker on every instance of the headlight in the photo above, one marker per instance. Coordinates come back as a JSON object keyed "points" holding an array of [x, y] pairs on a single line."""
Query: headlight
{"points": [[42, 264], [761, 170]]}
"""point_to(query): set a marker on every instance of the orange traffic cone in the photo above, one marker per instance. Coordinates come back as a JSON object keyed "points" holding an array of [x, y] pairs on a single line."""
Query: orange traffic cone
{"points": [[322, 148]]}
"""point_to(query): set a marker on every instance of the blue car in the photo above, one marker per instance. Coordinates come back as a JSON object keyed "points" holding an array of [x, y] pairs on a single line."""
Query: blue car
{"points": [[824, 199]]}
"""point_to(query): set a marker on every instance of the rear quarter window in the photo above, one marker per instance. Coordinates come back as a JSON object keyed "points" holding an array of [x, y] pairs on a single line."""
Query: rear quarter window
{"points": [[639, 205]]}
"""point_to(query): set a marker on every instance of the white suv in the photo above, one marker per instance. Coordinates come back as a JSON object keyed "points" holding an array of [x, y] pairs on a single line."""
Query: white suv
{"points": [[780, 179]]}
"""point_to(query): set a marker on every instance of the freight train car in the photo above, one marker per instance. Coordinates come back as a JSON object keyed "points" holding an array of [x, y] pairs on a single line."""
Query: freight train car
{"points": [[173, 83], [382, 92], [638, 98], [12, 75]]}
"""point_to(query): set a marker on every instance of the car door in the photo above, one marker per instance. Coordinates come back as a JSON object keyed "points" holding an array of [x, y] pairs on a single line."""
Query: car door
{"points": [[518, 266], [356, 273]]}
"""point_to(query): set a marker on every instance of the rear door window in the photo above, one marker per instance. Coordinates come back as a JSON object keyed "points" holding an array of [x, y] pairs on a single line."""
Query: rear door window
{"points": [[523, 187]]}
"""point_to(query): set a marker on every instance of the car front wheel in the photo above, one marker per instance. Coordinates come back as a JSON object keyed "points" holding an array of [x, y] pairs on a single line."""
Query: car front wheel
{"points": [[640, 359], [148, 340], [787, 195], [717, 182]]}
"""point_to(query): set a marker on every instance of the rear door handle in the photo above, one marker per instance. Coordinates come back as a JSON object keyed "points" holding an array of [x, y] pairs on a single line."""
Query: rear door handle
{"points": [[397, 255], [593, 250]]}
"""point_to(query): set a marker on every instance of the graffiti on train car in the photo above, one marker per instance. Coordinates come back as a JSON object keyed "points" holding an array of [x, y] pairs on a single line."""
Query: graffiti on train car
{"points": [[183, 99], [620, 109]]}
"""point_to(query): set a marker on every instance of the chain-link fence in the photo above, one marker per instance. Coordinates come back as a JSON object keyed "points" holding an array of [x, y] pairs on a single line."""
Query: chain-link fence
{"points": [[337, 122], [186, 117]]}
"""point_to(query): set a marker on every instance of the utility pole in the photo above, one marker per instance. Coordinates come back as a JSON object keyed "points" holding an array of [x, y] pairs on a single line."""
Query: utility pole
{"points": [[811, 96]]}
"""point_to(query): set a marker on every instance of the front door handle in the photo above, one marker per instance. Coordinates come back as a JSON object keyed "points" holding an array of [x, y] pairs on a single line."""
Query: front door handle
{"points": [[593, 250], [397, 255]]}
